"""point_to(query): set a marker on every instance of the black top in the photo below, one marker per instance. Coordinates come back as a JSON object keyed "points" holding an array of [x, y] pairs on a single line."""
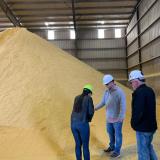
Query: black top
{"points": [[144, 109], [87, 111]]}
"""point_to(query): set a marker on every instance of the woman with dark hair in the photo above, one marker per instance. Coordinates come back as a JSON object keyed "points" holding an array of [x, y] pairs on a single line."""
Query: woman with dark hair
{"points": [[82, 113]]}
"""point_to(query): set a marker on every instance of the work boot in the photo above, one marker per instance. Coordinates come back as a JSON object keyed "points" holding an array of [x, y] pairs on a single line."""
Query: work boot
{"points": [[108, 150], [115, 155]]}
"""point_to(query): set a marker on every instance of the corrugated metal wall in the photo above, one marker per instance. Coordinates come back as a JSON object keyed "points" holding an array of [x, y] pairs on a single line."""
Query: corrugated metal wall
{"points": [[107, 55], [143, 41]]}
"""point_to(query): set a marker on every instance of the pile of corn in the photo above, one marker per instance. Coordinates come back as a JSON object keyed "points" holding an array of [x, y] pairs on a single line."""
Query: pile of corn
{"points": [[38, 83]]}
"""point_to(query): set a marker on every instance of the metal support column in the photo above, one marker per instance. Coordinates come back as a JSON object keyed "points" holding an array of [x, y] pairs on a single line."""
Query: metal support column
{"points": [[9, 13], [126, 53], [139, 40], [75, 27]]}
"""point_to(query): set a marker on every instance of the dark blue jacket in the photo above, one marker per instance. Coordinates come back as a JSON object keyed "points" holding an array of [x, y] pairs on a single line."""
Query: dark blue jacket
{"points": [[144, 109], [87, 111]]}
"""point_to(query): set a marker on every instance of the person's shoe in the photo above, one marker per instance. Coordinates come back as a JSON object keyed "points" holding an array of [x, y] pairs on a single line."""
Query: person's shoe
{"points": [[115, 155], [108, 150]]}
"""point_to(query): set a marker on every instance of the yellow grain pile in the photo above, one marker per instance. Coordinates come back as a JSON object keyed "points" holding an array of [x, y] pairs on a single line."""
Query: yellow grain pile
{"points": [[38, 83]]}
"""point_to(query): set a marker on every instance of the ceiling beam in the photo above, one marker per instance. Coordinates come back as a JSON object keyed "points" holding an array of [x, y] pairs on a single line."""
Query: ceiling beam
{"points": [[77, 8], [78, 25], [70, 18], [66, 28], [60, 2], [68, 14], [106, 1], [39, 20], [9, 13]]}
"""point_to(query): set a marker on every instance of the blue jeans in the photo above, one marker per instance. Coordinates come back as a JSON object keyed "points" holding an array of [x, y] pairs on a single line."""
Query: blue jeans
{"points": [[81, 133], [115, 135], [144, 147]]}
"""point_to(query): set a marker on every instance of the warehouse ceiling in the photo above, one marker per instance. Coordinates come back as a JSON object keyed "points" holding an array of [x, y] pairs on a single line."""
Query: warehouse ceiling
{"points": [[65, 14]]}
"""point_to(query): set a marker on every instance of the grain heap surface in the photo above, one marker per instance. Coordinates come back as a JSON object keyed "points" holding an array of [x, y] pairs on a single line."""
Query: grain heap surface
{"points": [[38, 83]]}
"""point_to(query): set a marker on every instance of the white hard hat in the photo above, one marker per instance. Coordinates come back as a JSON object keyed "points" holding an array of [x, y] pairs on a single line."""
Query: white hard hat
{"points": [[136, 74], [107, 78]]}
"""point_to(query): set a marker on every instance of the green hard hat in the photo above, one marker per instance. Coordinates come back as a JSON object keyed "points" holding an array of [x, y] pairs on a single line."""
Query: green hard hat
{"points": [[89, 87]]}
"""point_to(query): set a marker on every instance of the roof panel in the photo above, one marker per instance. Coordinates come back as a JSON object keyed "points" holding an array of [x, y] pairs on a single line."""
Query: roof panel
{"points": [[59, 13], [31, 5]]}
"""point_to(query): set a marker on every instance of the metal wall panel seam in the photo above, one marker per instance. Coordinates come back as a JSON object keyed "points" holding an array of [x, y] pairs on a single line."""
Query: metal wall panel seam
{"points": [[144, 31], [144, 46], [142, 17]]}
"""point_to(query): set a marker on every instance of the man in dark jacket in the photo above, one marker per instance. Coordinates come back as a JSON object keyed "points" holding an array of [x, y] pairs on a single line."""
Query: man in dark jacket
{"points": [[82, 113], [143, 119]]}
